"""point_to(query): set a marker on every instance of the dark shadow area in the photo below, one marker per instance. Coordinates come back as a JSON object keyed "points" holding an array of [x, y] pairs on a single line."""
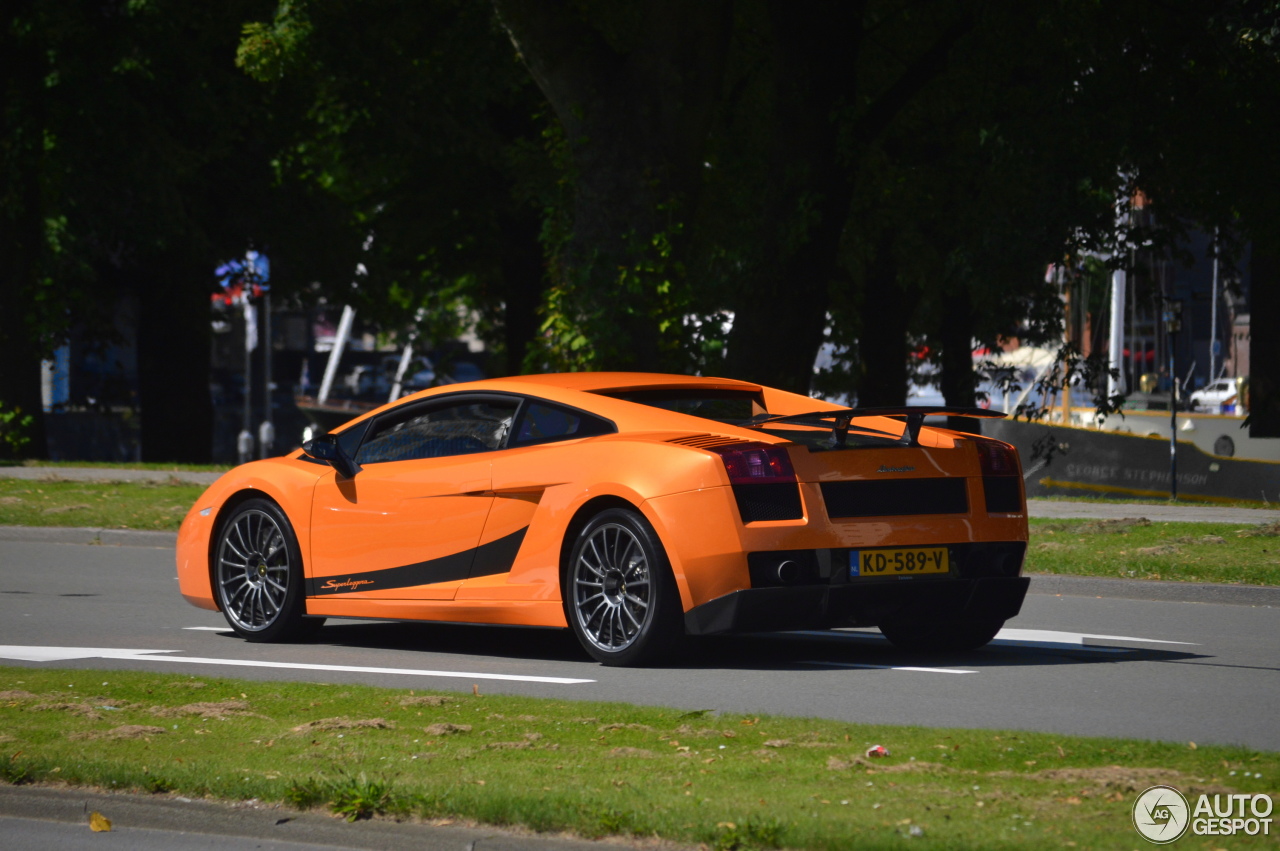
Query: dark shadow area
{"points": [[785, 651], [553, 645], [816, 651]]}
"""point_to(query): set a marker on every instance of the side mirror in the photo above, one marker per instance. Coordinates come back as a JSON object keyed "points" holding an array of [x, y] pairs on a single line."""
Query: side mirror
{"points": [[326, 448]]}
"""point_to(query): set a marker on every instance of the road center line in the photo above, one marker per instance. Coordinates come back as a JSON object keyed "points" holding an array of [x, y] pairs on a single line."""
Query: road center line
{"points": [[62, 654]]}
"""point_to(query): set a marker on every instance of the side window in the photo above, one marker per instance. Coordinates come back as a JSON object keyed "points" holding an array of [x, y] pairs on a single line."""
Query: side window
{"points": [[457, 428], [542, 422]]}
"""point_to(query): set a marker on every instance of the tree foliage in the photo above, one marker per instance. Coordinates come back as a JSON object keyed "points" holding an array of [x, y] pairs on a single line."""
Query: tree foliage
{"points": [[722, 186]]}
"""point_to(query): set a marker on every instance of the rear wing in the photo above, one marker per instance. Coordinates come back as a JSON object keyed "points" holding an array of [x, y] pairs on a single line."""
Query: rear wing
{"points": [[839, 420]]}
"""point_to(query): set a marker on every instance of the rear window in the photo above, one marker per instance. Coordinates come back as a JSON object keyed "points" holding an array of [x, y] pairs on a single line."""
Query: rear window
{"points": [[722, 406]]}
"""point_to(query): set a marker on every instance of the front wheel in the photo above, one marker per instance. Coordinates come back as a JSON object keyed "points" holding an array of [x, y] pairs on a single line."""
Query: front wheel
{"points": [[941, 635], [258, 574], [620, 596]]}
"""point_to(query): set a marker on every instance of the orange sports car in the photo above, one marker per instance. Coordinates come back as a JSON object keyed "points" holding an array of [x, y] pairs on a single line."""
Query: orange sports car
{"points": [[631, 508]]}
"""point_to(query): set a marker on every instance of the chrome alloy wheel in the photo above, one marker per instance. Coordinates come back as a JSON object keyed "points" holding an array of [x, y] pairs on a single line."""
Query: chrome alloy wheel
{"points": [[611, 587], [253, 570]]}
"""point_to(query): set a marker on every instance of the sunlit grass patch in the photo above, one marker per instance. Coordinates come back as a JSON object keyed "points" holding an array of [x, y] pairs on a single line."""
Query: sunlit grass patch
{"points": [[594, 769], [1240, 553], [118, 505]]}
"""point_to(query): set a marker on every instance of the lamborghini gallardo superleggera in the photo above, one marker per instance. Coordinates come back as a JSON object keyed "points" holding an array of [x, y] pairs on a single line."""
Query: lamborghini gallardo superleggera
{"points": [[633, 509]]}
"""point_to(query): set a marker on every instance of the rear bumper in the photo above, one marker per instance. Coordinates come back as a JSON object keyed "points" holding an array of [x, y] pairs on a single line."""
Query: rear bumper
{"points": [[825, 606]]}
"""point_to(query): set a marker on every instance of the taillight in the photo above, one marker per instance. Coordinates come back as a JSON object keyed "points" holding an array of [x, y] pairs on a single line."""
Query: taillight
{"points": [[756, 463], [997, 459]]}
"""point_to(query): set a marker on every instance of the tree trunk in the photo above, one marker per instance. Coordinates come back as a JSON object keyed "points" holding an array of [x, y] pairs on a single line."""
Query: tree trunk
{"points": [[1264, 346], [882, 344], [173, 363], [959, 383], [634, 92], [778, 327], [22, 247], [523, 283]]}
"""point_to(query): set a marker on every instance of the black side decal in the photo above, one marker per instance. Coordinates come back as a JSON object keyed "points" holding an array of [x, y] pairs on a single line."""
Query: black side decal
{"points": [[486, 560]]}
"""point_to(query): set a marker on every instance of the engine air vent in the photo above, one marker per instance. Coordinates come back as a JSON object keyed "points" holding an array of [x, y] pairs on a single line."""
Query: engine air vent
{"points": [[707, 441]]}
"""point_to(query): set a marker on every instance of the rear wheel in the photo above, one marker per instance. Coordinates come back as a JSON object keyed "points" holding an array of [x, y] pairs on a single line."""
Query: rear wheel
{"points": [[258, 574], [620, 597], [941, 635]]}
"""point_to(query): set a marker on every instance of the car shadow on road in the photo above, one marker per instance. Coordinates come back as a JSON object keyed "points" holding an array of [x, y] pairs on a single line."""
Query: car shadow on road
{"points": [[791, 651], [553, 645], [856, 649]]}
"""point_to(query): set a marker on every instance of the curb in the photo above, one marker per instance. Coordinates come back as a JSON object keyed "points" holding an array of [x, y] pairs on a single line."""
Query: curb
{"points": [[79, 535], [260, 822]]}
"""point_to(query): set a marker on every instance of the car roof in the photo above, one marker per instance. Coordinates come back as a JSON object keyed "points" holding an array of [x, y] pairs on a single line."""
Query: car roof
{"points": [[571, 388], [596, 382]]}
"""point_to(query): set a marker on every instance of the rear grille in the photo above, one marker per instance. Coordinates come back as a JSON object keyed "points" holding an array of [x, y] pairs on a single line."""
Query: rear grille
{"points": [[707, 441], [1003, 494], [895, 497], [779, 501]]}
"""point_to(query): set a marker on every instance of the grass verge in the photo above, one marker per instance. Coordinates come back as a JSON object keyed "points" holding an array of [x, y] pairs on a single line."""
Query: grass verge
{"points": [[121, 505], [1235, 553], [162, 467], [596, 769]]}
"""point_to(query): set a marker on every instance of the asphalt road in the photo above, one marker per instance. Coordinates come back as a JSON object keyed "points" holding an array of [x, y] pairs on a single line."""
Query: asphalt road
{"points": [[1080, 660]]}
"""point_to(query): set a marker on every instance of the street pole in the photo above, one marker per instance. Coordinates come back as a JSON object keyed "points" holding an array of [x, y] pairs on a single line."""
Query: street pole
{"points": [[1173, 323], [1213, 315], [267, 429], [244, 442]]}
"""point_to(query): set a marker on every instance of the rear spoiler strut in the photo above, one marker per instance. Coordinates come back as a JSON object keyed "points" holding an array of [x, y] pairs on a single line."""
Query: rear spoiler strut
{"points": [[839, 420]]}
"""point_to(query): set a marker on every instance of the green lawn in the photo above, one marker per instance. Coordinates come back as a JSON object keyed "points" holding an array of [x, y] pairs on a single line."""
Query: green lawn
{"points": [[1137, 549], [128, 465], [117, 505], [596, 769]]}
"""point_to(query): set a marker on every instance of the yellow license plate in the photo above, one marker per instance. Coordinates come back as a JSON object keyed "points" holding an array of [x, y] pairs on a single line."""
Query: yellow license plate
{"points": [[898, 562]]}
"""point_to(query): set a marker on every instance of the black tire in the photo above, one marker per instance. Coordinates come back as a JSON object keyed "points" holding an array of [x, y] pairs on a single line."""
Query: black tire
{"points": [[941, 635], [257, 574], [620, 596]]}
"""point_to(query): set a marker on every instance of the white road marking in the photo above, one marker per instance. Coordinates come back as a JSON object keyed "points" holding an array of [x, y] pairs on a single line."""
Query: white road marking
{"points": [[210, 628], [62, 654], [1044, 639], [892, 667], [1055, 637]]}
